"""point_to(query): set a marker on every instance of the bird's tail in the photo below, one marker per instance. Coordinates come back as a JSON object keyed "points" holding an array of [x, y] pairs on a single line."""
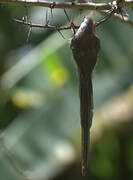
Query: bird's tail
{"points": [[86, 113]]}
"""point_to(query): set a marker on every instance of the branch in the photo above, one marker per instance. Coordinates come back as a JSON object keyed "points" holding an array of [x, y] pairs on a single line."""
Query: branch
{"points": [[46, 26], [60, 5], [70, 5], [123, 19], [73, 5], [118, 17]]}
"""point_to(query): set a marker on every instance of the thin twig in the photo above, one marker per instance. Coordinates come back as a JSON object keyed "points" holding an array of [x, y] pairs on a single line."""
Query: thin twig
{"points": [[109, 14], [61, 34], [67, 16], [123, 19], [119, 17], [44, 26], [30, 29]]}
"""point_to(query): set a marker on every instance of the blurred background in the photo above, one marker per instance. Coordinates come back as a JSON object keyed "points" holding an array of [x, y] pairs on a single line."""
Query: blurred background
{"points": [[39, 104]]}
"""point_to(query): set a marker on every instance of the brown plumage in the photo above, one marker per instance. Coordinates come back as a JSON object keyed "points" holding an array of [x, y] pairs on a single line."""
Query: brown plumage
{"points": [[85, 47]]}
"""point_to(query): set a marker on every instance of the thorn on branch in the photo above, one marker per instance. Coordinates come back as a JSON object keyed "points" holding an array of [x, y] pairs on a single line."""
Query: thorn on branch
{"points": [[47, 21], [30, 29], [61, 34], [71, 23], [67, 15], [51, 8]]}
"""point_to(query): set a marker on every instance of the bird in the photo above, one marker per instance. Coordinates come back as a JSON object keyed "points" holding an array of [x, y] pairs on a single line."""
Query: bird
{"points": [[85, 47]]}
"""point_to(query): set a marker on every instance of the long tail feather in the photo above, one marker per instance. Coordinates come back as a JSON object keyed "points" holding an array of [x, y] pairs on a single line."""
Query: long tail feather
{"points": [[86, 113]]}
